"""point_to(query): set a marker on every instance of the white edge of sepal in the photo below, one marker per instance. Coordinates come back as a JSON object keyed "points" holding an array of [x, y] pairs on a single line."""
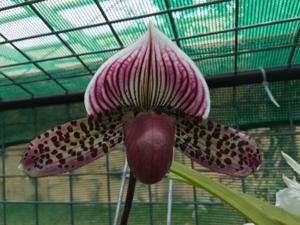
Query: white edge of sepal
{"points": [[289, 200], [291, 183], [295, 166]]}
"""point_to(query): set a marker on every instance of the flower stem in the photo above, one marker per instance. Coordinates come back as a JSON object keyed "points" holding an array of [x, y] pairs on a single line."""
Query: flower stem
{"points": [[129, 198]]}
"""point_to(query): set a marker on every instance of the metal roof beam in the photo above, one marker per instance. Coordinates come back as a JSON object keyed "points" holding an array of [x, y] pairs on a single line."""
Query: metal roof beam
{"points": [[225, 80]]}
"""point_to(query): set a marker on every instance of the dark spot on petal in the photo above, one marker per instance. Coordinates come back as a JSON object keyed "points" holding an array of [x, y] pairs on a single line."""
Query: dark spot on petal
{"points": [[94, 154], [215, 134], [219, 144], [56, 144], [59, 156], [83, 127], [226, 151], [233, 145], [90, 121], [54, 139], [105, 148], [228, 161], [49, 161], [225, 137], [187, 140], [208, 137], [70, 128], [73, 143], [91, 140], [77, 134], [233, 154], [54, 152], [202, 133], [112, 126]]}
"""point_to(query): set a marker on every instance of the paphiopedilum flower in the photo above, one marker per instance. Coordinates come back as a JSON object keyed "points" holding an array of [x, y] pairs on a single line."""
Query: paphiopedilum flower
{"points": [[289, 198], [150, 98]]}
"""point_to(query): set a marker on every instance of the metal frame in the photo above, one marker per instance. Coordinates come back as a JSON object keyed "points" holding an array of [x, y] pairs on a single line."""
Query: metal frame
{"points": [[225, 80], [168, 11], [3, 169], [194, 202], [284, 73], [296, 40], [35, 64]]}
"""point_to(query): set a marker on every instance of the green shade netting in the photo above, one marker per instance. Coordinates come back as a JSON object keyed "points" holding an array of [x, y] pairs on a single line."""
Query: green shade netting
{"points": [[94, 202], [69, 40]]}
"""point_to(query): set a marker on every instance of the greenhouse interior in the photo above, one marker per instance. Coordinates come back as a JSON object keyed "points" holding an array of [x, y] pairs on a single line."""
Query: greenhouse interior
{"points": [[248, 52]]}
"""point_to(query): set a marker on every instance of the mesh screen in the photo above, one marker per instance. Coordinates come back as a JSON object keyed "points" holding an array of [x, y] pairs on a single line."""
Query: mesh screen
{"points": [[54, 47], [89, 195]]}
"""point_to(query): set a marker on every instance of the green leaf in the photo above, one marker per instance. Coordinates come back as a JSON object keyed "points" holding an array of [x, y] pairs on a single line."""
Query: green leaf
{"points": [[256, 210]]}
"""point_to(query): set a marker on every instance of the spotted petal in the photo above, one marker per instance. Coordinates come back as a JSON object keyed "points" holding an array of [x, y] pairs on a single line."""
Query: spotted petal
{"points": [[217, 147], [152, 73], [73, 144]]}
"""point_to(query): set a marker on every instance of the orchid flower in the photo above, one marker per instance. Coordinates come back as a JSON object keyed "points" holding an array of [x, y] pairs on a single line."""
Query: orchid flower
{"points": [[151, 98], [289, 198]]}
